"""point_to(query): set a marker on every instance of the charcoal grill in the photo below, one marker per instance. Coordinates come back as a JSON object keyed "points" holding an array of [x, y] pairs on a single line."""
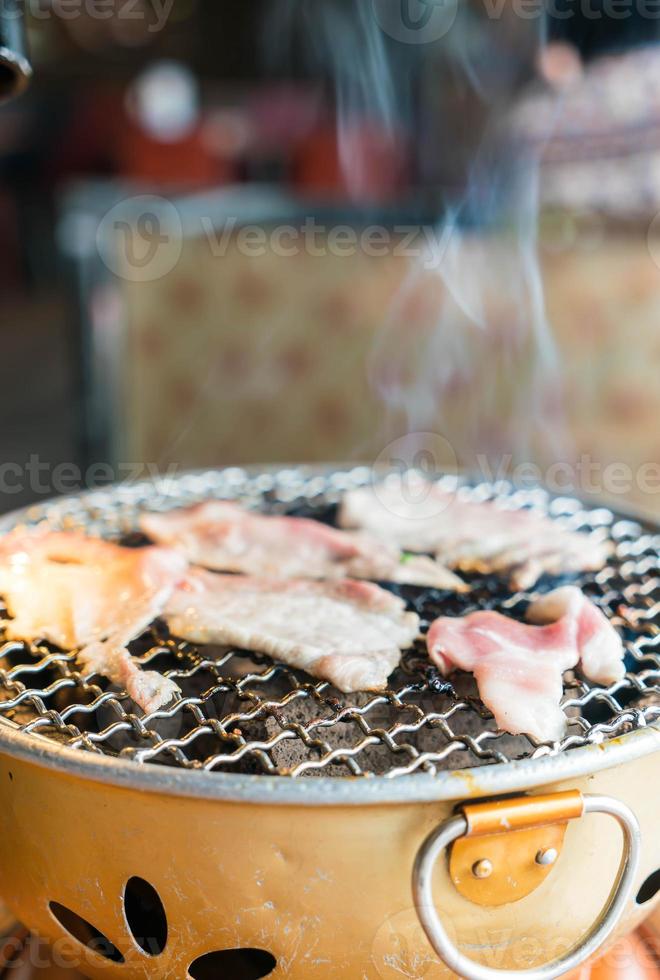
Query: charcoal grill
{"points": [[268, 817]]}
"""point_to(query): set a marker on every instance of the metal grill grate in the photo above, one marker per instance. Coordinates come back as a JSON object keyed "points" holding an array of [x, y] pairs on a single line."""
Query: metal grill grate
{"points": [[243, 713]]}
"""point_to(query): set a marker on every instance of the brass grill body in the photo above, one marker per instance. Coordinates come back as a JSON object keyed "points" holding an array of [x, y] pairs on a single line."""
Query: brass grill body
{"points": [[270, 812]]}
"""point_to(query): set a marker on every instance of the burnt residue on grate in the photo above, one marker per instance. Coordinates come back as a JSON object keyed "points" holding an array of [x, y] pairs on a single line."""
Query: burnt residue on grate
{"points": [[243, 713]]}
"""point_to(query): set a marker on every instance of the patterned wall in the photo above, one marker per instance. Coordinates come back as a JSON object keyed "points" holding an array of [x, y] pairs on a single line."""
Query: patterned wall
{"points": [[245, 359]]}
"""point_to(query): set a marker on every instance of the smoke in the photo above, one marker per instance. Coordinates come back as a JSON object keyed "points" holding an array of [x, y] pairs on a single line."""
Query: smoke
{"points": [[467, 350], [340, 40]]}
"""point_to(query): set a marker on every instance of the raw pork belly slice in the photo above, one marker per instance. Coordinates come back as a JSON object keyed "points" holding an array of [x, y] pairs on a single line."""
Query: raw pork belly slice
{"points": [[87, 594], [519, 667], [470, 536], [599, 645], [227, 538], [349, 633]]}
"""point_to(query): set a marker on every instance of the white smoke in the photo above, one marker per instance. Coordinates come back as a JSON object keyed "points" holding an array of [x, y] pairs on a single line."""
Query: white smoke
{"points": [[341, 41], [481, 367]]}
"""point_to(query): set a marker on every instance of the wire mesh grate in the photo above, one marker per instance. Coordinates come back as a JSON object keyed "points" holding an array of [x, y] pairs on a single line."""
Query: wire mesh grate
{"points": [[240, 712]]}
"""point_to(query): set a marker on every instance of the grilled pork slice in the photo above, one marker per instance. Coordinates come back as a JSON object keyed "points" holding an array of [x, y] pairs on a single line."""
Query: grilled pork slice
{"points": [[227, 538], [471, 536], [349, 633], [519, 667], [83, 593]]}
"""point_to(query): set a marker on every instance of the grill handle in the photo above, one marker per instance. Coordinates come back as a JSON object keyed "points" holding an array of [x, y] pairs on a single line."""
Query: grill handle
{"points": [[457, 827]]}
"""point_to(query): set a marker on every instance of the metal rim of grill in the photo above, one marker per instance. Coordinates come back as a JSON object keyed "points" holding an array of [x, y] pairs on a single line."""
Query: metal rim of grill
{"points": [[247, 722]]}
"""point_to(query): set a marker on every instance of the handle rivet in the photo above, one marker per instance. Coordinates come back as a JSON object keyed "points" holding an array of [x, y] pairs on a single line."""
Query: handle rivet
{"points": [[547, 857], [482, 869]]}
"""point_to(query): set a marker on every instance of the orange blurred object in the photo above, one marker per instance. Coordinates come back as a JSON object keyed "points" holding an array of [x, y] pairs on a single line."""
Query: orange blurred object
{"points": [[164, 140], [185, 162], [361, 162], [635, 957], [560, 65]]}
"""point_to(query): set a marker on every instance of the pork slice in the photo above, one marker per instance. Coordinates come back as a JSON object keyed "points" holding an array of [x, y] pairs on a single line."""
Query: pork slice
{"points": [[228, 538], [471, 536], [519, 667], [87, 594], [600, 647], [349, 633]]}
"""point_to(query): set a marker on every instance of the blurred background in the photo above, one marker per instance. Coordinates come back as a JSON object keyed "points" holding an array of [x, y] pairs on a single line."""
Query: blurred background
{"points": [[279, 231]]}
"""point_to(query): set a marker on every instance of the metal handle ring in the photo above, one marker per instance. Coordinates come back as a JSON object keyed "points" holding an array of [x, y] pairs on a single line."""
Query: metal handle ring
{"points": [[456, 827]]}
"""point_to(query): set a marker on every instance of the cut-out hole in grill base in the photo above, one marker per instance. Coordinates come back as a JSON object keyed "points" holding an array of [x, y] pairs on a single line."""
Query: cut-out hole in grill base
{"points": [[239, 964], [649, 889], [145, 916], [85, 933]]}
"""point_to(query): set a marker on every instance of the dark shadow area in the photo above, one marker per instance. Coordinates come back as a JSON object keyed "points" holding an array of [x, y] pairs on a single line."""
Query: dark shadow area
{"points": [[239, 964], [145, 916], [84, 932], [649, 889]]}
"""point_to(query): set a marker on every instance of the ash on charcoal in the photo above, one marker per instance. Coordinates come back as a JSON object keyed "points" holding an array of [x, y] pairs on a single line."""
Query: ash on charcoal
{"points": [[306, 713], [466, 721], [376, 723]]}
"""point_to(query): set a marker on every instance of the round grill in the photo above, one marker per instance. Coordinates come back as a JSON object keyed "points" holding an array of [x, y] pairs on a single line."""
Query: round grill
{"points": [[243, 713]]}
